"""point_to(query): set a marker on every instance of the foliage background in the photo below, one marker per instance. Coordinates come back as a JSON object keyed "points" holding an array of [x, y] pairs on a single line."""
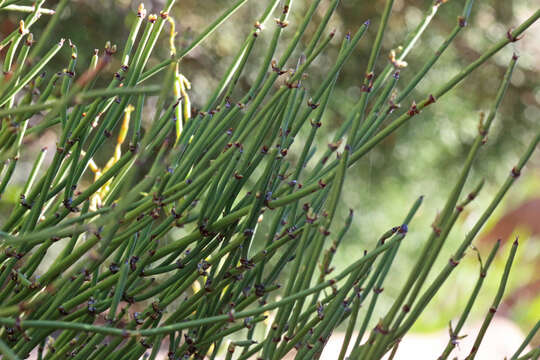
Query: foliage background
{"points": [[421, 158]]}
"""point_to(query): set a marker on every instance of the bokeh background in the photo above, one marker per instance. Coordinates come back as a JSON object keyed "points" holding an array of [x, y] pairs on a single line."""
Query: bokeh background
{"points": [[422, 158]]}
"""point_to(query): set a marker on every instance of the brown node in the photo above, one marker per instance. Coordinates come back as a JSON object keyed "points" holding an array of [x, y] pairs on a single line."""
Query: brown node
{"points": [[366, 87], [276, 69], [324, 231], [30, 40], [379, 328], [141, 11], [392, 106], [396, 63], [231, 316], [282, 23], [413, 110], [431, 100], [311, 220], [513, 38], [315, 124], [22, 29], [312, 105]]}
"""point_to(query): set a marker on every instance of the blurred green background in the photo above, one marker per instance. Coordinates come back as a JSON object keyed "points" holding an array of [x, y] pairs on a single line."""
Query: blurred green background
{"points": [[422, 158]]}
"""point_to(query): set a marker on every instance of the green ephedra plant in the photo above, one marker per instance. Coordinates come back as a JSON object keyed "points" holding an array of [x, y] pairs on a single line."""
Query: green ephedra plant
{"points": [[177, 243]]}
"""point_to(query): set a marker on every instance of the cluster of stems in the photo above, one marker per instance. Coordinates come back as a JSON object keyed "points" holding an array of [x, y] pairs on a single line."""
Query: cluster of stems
{"points": [[179, 241]]}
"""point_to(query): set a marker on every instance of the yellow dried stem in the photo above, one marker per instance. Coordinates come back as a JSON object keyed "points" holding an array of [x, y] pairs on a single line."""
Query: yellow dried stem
{"points": [[95, 200], [125, 125], [184, 86], [172, 35], [93, 166], [181, 85]]}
